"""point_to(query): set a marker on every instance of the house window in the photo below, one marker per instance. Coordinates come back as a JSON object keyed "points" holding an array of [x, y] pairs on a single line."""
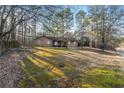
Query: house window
{"points": [[48, 42], [55, 43], [74, 43], [69, 42]]}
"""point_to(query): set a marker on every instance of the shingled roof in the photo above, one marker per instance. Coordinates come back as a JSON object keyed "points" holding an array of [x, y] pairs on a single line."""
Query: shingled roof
{"points": [[58, 38]]}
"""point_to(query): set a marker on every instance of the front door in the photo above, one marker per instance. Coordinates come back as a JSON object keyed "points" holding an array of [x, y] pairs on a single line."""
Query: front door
{"points": [[55, 43]]}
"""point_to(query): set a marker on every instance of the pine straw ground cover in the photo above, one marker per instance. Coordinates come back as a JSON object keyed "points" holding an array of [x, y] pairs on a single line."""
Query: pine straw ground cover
{"points": [[10, 69], [61, 67]]}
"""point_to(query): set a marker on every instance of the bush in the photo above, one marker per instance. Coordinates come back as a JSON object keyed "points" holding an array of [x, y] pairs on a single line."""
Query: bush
{"points": [[11, 44]]}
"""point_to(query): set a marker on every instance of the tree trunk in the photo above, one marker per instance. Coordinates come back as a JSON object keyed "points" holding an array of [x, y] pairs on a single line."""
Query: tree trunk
{"points": [[1, 44], [0, 48]]}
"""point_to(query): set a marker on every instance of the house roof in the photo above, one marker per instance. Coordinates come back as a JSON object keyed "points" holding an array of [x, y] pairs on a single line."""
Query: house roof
{"points": [[58, 38]]}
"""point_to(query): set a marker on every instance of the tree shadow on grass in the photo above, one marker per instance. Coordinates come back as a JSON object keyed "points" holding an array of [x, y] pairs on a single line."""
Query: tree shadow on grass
{"points": [[50, 72], [37, 76], [57, 71], [49, 50], [91, 77], [96, 50], [59, 55]]}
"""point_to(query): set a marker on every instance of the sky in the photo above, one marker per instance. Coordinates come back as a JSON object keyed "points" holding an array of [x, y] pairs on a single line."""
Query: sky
{"points": [[76, 8]]}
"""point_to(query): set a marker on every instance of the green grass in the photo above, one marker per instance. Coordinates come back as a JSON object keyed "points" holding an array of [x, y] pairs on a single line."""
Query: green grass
{"points": [[59, 48], [103, 77], [49, 67]]}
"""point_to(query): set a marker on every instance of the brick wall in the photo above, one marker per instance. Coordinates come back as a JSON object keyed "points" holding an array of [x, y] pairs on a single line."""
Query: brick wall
{"points": [[43, 41], [72, 44]]}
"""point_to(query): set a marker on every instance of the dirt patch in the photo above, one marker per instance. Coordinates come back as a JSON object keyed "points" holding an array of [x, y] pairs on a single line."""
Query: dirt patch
{"points": [[10, 70], [96, 50]]}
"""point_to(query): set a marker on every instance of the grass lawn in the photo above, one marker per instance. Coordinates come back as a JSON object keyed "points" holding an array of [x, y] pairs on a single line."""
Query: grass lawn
{"points": [[61, 67]]}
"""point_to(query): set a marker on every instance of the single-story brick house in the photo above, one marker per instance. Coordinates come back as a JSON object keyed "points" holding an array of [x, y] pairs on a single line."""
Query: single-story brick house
{"points": [[49, 41]]}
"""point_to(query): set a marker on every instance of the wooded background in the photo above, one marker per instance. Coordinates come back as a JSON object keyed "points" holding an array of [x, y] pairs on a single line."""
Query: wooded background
{"points": [[99, 25]]}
